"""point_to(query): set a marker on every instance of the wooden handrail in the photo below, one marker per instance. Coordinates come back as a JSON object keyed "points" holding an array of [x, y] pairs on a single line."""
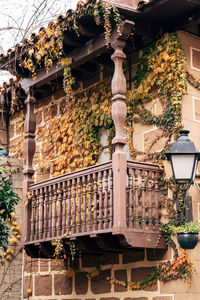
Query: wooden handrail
{"points": [[143, 165], [71, 175]]}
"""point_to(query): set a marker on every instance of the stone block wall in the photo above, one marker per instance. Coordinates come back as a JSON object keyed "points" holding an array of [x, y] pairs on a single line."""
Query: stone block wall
{"points": [[52, 279], [11, 271], [191, 107]]}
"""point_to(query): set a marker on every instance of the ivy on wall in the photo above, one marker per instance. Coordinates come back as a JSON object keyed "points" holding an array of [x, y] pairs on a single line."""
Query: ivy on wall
{"points": [[161, 73], [179, 268], [71, 138]]}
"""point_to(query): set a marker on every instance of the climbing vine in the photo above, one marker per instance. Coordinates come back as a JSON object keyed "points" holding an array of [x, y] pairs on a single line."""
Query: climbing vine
{"points": [[67, 250], [160, 74], [180, 267], [72, 139], [77, 127]]}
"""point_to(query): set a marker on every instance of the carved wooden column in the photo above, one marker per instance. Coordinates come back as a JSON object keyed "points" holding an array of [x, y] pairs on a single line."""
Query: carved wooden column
{"points": [[29, 150], [119, 157]]}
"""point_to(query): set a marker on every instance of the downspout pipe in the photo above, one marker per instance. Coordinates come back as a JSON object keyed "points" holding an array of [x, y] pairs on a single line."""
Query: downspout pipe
{"points": [[22, 286]]}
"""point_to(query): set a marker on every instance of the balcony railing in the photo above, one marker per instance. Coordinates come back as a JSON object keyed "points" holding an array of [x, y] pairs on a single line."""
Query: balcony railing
{"points": [[143, 196], [74, 204], [81, 203]]}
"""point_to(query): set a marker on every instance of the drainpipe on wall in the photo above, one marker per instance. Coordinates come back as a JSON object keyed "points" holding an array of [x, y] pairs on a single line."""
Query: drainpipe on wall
{"points": [[22, 287]]}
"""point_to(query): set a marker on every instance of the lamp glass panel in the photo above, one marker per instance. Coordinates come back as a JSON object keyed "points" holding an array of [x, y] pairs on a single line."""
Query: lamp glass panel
{"points": [[183, 165]]}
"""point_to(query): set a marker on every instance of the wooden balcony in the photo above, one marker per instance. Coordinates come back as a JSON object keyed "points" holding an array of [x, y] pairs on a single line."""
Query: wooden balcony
{"points": [[79, 206]]}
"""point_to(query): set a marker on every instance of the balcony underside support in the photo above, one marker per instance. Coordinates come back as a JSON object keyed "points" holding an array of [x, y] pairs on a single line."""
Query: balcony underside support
{"points": [[101, 243]]}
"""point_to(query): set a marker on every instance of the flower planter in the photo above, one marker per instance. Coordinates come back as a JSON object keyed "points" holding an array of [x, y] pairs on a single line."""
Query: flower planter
{"points": [[188, 240]]}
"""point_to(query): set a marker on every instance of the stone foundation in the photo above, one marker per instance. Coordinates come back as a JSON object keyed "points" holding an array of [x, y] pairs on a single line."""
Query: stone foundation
{"points": [[53, 279]]}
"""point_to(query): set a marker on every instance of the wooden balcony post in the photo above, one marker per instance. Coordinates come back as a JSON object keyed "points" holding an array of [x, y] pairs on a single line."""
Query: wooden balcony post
{"points": [[119, 157], [29, 150]]}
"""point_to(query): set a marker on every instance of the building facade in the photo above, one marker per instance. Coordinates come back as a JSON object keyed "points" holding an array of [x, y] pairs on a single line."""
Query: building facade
{"points": [[92, 199]]}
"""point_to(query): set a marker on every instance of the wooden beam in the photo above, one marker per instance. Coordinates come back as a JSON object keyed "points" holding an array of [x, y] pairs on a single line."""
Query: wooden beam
{"points": [[71, 41], [125, 4], [88, 51], [79, 56], [90, 32]]}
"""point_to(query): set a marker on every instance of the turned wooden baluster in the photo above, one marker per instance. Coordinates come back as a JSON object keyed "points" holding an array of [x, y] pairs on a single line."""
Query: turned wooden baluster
{"points": [[105, 217], [95, 201], [157, 199], [150, 224], [29, 150], [37, 215], [33, 204], [50, 211], [59, 219], [84, 205], [41, 214], [46, 208], [130, 199], [143, 199], [79, 205], [69, 206], [89, 216], [74, 205], [136, 202], [111, 198], [100, 194], [119, 158], [54, 225], [64, 208]]}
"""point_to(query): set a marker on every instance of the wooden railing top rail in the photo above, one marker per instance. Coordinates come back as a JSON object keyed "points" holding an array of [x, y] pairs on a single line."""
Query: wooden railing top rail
{"points": [[144, 166], [71, 175], [91, 170]]}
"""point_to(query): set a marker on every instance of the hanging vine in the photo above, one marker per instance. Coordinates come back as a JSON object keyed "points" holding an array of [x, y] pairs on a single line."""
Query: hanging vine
{"points": [[47, 47]]}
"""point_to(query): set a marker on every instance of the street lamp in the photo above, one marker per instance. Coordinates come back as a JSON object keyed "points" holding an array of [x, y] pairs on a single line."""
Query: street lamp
{"points": [[184, 159]]}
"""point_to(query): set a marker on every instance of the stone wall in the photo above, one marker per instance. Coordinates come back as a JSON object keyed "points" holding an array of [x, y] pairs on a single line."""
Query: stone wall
{"points": [[51, 279], [190, 117], [11, 271], [191, 108]]}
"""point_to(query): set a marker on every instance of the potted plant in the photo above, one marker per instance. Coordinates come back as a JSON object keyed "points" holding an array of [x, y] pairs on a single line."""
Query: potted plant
{"points": [[187, 234]]}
